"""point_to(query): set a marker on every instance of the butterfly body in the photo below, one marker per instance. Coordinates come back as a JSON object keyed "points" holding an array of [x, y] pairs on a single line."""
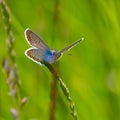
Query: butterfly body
{"points": [[40, 51], [50, 56]]}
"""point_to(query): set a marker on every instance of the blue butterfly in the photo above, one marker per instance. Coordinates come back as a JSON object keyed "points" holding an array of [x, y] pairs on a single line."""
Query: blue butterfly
{"points": [[41, 52]]}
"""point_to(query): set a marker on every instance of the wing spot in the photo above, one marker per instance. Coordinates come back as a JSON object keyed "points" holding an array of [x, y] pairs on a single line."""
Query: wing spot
{"points": [[28, 35], [36, 59]]}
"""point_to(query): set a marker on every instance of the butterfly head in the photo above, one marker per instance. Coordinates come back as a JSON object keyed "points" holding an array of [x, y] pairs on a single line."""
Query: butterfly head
{"points": [[53, 53]]}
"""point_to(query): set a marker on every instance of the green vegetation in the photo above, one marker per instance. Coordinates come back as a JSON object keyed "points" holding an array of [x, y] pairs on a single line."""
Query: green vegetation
{"points": [[91, 70]]}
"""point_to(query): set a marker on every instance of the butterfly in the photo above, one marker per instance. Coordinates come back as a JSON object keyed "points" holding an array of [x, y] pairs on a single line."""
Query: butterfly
{"points": [[40, 52]]}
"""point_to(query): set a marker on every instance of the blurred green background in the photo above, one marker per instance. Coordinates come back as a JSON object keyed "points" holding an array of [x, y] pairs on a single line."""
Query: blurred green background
{"points": [[92, 72]]}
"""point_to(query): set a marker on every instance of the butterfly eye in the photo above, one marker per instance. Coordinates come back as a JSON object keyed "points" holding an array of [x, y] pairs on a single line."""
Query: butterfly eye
{"points": [[53, 53]]}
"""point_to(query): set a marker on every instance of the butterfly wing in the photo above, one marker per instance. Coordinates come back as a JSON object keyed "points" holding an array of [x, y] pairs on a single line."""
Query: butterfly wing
{"points": [[70, 46], [35, 55], [34, 40]]}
